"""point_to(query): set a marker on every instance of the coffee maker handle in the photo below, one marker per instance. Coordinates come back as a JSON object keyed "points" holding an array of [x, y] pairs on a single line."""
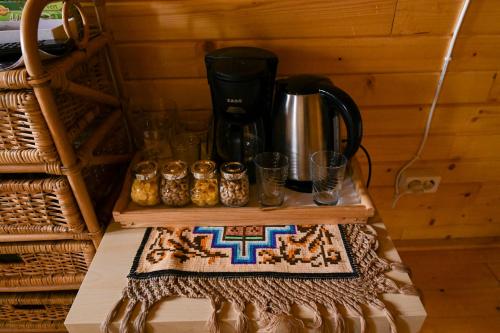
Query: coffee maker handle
{"points": [[349, 111]]}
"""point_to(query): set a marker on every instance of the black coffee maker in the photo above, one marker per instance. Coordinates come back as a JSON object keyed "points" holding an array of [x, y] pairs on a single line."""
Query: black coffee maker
{"points": [[241, 83]]}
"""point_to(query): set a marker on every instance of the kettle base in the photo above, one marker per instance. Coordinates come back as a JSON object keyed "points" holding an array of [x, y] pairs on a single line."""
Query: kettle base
{"points": [[299, 186]]}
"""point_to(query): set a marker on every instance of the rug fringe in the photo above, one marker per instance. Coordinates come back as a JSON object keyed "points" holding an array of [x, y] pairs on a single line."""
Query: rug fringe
{"points": [[372, 235], [401, 288], [358, 310], [112, 314], [140, 321], [284, 322], [126, 317], [317, 321], [369, 229], [242, 321], [391, 320], [337, 324], [213, 323], [408, 289], [326, 326], [400, 267], [362, 323]]}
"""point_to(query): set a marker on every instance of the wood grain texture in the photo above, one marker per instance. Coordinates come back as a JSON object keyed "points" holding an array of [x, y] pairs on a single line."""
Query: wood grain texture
{"points": [[245, 19], [449, 196], [441, 147], [476, 53], [185, 59], [333, 55], [277, 19], [448, 119], [458, 288], [445, 223], [366, 89], [451, 170], [482, 18], [429, 17], [495, 269], [467, 244], [425, 17]]}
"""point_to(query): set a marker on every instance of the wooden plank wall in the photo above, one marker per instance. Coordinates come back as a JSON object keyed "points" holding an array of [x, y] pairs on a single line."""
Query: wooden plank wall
{"points": [[386, 53]]}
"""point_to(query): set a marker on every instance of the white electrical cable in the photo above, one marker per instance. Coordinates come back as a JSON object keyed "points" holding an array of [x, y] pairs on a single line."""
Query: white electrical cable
{"points": [[447, 59]]}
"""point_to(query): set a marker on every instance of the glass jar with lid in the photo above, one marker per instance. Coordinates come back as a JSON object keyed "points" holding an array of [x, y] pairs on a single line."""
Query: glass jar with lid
{"points": [[144, 189], [205, 190], [175, 184], [234, 185]]}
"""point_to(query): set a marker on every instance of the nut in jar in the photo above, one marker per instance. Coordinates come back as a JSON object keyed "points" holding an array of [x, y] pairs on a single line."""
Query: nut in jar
{"points": [[144, 189], [234, 185], [205, 190], [175, 184]]}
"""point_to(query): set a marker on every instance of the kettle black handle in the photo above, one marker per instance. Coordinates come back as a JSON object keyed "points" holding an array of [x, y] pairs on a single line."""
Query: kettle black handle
{"points": [[349, 111]]}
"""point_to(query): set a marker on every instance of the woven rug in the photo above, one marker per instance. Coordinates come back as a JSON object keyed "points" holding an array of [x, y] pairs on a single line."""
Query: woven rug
{"points": [[321, 267]]}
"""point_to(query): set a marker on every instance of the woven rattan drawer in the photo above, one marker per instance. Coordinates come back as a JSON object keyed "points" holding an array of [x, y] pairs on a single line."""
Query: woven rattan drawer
{"points": [[44, 265], [34, 312], [38, 205], [24, 135]]}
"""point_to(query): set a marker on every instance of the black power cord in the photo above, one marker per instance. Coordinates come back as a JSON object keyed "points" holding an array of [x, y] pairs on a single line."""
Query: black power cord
{"points": [[368, 158]]}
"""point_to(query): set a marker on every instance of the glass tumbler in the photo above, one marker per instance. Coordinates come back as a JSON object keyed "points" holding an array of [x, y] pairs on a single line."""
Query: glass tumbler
{"points": [[327, 173], [152, 122], [186, 147], [271, 169]]}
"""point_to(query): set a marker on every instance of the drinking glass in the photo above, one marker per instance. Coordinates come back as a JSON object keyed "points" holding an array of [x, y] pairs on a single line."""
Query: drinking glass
{"points": [[194, 125], [152, 122], [186, 147], [327, 173], [271, 170]]}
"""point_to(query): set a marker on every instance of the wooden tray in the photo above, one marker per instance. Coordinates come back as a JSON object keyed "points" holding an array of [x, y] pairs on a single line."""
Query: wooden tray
{"points": [[356, 207]]}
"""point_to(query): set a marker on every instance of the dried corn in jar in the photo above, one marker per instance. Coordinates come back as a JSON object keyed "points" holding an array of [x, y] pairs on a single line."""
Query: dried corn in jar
{"points": [[175, 184], [144, 189], [234, 185], [205, 189]]}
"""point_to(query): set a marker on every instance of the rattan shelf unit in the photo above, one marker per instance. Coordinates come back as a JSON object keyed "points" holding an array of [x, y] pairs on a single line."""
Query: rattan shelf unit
{"points": [[63, 144], [40, 312], [63, 138]]}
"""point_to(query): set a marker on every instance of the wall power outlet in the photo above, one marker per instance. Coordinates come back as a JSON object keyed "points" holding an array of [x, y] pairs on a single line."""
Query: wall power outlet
{"points": [[419, 181]]}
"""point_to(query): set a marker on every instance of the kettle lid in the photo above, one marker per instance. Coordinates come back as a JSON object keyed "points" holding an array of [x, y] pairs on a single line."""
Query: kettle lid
{"points": [[304, 84]]}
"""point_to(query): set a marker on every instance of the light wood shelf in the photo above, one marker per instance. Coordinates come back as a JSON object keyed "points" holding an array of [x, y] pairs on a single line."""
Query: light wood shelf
{"points": [[298, 208]]}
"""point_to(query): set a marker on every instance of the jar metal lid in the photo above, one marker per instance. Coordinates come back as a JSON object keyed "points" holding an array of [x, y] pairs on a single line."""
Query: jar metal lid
{"points": [[174, 170], [145, 170], [203, 169], [233, 170]]}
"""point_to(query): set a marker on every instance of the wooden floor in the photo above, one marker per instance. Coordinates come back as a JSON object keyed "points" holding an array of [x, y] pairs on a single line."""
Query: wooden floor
{"points": [[460, 288]]}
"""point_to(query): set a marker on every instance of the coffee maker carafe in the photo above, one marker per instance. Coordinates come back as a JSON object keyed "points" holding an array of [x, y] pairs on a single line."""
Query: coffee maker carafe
{"points": [[241, 83], [306, 120]]}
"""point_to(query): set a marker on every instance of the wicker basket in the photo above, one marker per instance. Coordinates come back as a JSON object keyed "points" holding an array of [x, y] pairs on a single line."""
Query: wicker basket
{"points": [[38, 206], [44, 265], [25, 312], [24, 135], [60, 70]]}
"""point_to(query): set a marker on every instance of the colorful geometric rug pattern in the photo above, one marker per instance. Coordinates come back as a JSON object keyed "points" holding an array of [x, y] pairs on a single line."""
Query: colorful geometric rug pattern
{"points": [[304, 251]]}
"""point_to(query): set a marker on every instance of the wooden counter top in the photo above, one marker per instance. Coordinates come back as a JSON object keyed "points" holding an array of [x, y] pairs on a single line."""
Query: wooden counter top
{"points": [[107, 277]]}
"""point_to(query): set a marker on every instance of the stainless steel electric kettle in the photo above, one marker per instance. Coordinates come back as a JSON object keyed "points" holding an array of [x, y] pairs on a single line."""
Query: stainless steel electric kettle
{"points": [[305, 119]]}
